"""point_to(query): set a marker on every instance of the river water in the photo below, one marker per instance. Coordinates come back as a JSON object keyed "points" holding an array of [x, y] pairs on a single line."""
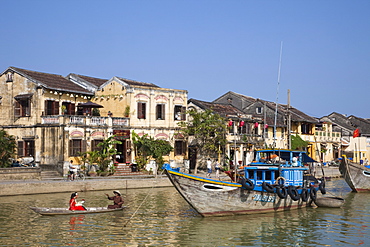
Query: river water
{"points": [[165, 219]]}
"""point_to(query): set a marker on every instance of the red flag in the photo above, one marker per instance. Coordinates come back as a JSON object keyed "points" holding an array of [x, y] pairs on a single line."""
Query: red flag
{"points": [[356, 133], [241, 123], [230, 123]]}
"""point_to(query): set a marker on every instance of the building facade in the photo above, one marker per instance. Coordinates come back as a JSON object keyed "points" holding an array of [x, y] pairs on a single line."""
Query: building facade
{"points": [[56, 118]]}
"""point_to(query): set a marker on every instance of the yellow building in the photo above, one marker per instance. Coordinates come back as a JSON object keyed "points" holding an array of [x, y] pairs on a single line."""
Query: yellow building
{"points": [[145, 108], [55, 118]]}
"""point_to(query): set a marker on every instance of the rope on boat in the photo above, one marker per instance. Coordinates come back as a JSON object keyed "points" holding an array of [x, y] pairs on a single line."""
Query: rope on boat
{"points": [[137, 209]]}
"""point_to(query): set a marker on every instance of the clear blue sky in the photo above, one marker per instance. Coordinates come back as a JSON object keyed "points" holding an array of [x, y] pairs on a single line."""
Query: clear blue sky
{"points": [[208, 47]]}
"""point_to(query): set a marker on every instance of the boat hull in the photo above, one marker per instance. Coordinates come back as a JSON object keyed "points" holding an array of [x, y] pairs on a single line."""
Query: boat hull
{"points": [[356, 176], [65, 211], [216, 198]]}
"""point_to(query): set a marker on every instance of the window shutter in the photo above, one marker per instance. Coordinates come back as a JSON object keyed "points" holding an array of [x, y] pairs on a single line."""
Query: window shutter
{"points": [[184, 146], [72, 109], [141, 110], [56, 108], [20, 148], [83, 148], [70, 147], [28, 108], [17, 109], [143, 106], [163, 112], [183, 113]]}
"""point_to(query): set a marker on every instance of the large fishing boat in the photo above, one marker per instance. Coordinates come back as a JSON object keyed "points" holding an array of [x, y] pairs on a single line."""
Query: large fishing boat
{"points": [[357, 176], [278, 180]]}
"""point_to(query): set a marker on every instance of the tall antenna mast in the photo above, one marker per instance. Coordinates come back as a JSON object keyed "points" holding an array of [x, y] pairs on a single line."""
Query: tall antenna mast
{"points": [[277, 93]]}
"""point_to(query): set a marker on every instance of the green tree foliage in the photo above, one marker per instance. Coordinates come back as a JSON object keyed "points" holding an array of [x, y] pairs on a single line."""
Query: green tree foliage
{"points": [[208, 129], [7, 148], [147, 147], [297, 142], [103, 156]]}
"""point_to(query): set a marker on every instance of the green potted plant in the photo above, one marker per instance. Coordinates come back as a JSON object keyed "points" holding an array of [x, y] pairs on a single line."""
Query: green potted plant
{"points": [[127, 111], [64, 109]]}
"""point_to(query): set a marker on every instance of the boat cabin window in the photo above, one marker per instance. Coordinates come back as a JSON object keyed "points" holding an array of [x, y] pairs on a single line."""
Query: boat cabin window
{"points": [[259, 175], [251, 174], [268, 175]]}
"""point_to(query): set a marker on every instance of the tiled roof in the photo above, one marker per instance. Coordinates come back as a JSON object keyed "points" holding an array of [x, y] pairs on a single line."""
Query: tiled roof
{"points": [[296, 115], [361, 123], [221, 109], [340, 120], [95, 81], [238, 100], [137, 83], [248, 98], [51, 81]]}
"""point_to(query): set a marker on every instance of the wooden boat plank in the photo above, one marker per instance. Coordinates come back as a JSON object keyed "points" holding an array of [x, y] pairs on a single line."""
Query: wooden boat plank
{"points": [[66, 211]]}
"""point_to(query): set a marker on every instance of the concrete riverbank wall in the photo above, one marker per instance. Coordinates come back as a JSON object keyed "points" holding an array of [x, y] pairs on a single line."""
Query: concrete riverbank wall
{"points": [[9, 188], [16, 187]]}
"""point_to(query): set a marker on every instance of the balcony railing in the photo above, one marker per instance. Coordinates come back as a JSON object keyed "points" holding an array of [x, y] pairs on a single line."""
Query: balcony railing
{"points": [[98, 121], [322, 136], [85, 120]]}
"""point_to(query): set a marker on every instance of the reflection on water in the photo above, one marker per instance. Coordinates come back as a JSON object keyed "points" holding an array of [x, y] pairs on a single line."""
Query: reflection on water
{"points": [[166, 219]]}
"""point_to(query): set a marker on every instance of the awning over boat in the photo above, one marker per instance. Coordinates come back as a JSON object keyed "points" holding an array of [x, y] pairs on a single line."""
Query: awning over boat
{"points": [[306, 158], [285, 155]]}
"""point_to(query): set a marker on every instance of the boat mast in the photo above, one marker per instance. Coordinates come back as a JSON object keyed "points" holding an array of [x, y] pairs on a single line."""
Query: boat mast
{"points": [[277, 94], [289, 122]]}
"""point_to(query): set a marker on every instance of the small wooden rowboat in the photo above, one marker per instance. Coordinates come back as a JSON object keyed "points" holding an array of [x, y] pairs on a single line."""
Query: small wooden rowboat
{"points": [[66, 211], [329, 202]]}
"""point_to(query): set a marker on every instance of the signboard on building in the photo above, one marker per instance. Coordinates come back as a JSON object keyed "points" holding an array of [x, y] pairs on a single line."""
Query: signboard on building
{"points": [[121, 134]]}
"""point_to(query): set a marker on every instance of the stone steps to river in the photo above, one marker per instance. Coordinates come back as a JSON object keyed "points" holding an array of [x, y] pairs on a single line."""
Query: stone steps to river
{"points": [[122, 169]]}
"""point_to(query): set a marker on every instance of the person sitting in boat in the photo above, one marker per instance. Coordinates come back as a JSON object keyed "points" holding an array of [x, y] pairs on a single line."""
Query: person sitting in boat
{"points": [[73, 205], [117, 200]]}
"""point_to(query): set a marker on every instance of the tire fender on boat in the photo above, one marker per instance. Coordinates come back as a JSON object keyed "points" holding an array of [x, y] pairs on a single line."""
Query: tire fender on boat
{"points": [[322, 186], [268, 187], [247, 183], [313, 194], [293, 193], [304, 195], [282, 192]]}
